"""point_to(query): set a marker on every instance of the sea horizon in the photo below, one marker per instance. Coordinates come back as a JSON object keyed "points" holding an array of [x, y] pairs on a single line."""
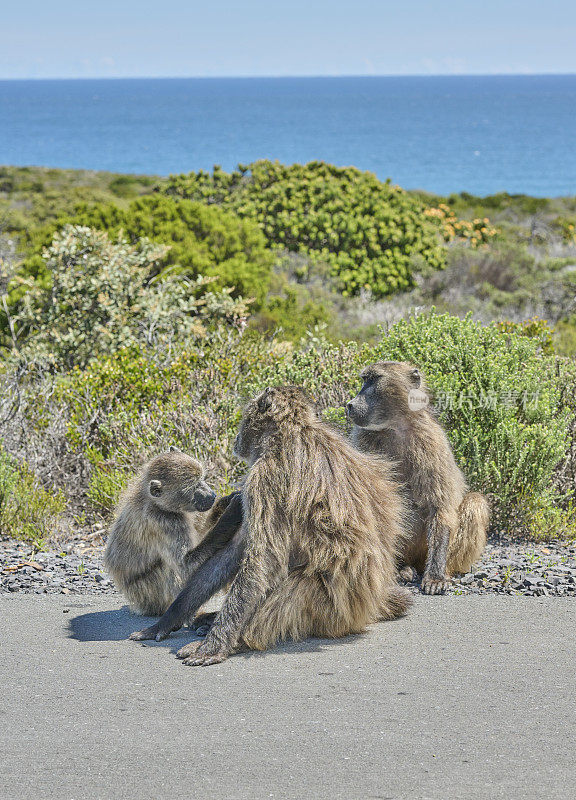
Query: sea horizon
{"points": [[293, 77], [473, 133]]}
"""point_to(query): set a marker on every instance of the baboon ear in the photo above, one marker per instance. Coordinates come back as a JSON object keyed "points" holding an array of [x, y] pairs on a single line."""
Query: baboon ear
{"points": [[416, 377], [155, 488], [265, 400], [174, 449]]}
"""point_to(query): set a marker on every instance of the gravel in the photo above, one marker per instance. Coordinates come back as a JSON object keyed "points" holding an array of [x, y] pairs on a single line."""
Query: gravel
{"points": [[515, 568], [24, 569], [506, 568]]}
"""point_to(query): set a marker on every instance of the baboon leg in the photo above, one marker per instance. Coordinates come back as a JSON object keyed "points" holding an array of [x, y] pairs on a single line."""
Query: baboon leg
{"points": [[199, 588], [150, 591], [222, 639], [469, 539], [303, 606], [264, 566], [299, 607], [435, 579], [225, 527]]}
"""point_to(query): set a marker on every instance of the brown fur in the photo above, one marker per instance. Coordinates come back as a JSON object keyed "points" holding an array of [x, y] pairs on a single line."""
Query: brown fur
{"points": [[449, 523], [157, 523], [322, 530]]}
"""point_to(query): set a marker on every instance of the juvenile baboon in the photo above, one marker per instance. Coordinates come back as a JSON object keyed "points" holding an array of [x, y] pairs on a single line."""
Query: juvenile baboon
{"points": [[391, 416], [161, 517], [316, 554]]}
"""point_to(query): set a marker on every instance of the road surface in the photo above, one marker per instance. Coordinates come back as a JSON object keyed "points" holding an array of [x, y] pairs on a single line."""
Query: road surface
{"points": [[467, 697]]}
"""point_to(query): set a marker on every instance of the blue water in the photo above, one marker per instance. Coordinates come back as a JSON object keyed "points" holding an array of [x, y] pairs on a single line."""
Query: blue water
{"points": [[443, 134]]}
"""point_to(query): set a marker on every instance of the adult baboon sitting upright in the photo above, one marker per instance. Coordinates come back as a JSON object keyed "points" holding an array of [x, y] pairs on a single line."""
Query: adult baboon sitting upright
{"points": [[322, 526], [391, 417]]}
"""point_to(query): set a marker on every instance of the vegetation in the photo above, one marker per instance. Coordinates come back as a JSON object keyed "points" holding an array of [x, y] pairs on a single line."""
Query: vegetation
{"points": [[372, 234], [137, 313], [200, 240], [27, 510], [106, 295]]}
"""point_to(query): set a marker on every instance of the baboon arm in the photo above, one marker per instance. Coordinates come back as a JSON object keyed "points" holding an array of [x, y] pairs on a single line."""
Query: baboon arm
{"points": [[435, 579], [220, 506], [227, 525], [264, 565], [200, 587], [242, 600]]}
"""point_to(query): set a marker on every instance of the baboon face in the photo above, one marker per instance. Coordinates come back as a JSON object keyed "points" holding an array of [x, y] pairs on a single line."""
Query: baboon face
{"points": [[275, 407], [389, 389], [176, 483]]}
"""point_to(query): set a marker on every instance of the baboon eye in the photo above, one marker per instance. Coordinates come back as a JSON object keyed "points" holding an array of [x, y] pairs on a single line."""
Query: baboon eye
{"points": [[155, 488]]}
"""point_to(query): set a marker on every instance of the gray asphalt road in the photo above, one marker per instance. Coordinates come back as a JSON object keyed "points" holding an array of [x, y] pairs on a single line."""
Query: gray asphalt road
{"points": [[468, 697]]}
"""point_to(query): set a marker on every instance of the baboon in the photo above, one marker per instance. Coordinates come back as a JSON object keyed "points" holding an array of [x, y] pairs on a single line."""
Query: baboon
{"points": [[391, 416], [161, 517], [316, 553]]}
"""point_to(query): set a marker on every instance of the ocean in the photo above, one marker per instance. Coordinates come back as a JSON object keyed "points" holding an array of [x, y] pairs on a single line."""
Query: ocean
{"points": [[442, 134]]}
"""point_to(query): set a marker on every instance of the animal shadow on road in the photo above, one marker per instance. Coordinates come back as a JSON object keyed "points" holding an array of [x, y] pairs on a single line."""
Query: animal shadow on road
{"points": [[118, 624]]}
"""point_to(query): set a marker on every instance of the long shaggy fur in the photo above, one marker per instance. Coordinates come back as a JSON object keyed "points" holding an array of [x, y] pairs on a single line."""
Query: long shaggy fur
{"points": [[323, 526], [469, 537]]}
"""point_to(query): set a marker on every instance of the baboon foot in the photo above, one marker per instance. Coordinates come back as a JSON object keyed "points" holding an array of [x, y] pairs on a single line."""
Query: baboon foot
{"points": [[155, 631], [202, 654], [407, 574], [434, 585], [202, 623]]}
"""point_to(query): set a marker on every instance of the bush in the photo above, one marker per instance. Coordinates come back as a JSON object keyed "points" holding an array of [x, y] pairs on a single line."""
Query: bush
{"points": [[27, 510], [498, 394], [106, 295], [373, 235], [202, 240], [507, 406]]}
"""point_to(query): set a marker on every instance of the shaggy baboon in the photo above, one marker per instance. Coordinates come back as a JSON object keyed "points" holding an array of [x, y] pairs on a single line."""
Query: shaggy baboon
{"points": [[157, 525], [316, 554], [391, 417]]}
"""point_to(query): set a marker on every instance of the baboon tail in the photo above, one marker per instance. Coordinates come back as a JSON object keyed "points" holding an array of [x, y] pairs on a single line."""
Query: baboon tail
{"points": [[469, 539], [398, 601]]}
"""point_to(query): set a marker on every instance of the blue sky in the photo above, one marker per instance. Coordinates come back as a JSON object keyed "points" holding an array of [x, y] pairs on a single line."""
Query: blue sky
{"points": [[139, 38]]}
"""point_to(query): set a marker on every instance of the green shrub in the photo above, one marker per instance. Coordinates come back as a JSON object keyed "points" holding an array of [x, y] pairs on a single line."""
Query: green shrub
{"points": [[567, 228], [105, 487], [507, 406], [202, 240], [373, 235], [27, 511], [106, 295], [565, 337], [535, 328], [497, 392]]}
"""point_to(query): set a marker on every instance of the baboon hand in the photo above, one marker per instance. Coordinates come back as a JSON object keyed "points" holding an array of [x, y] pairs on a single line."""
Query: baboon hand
{"points": [[156, 631], [407, 574], [434, 585], [202, 654], [202, 624]]}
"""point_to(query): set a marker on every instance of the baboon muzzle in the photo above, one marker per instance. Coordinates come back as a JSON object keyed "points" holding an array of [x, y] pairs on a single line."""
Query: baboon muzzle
{"points": [[204, 499]]}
